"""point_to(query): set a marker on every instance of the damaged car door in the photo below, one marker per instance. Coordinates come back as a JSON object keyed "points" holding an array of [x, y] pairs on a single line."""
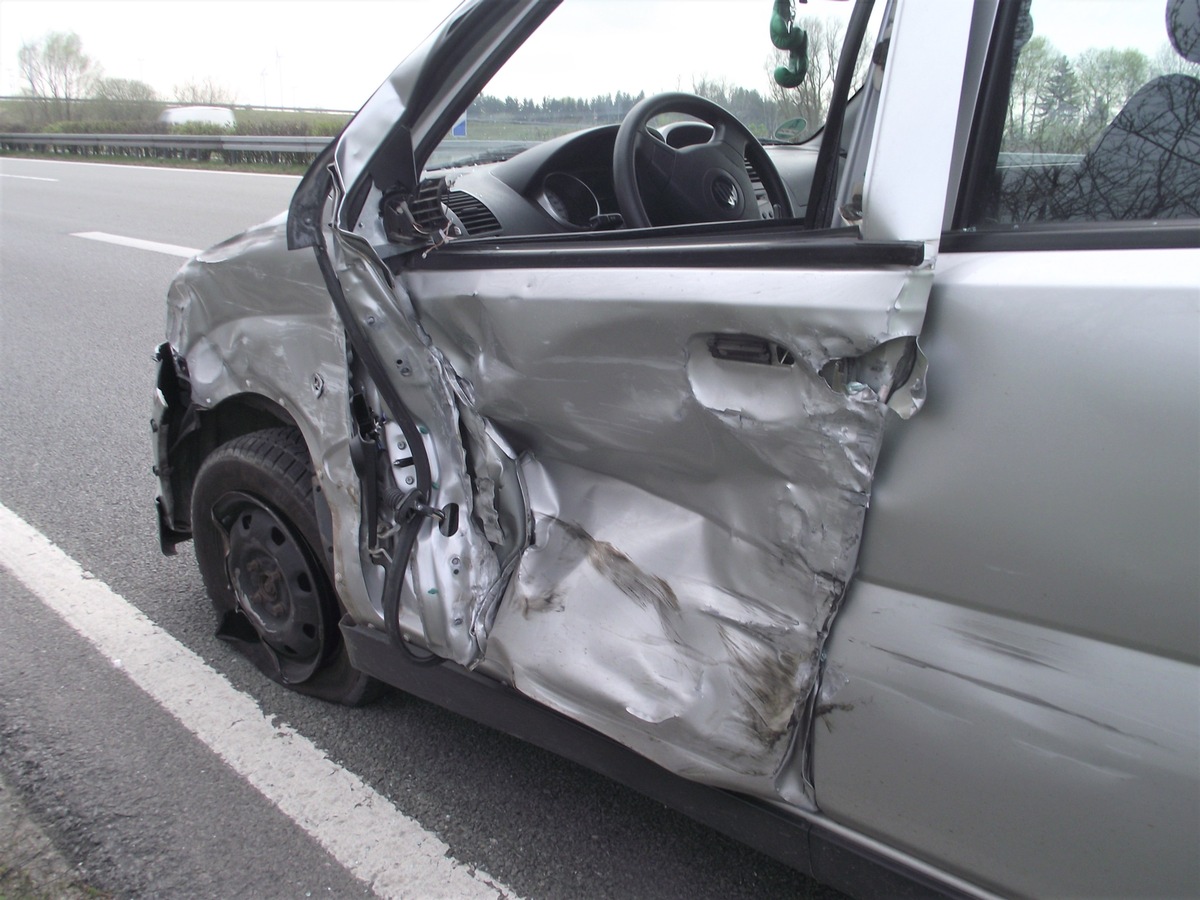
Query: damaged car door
{"points": [[626, 471]]}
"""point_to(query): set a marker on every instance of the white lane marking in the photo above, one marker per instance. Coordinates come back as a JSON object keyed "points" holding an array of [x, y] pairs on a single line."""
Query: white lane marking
{"points": [[138, 243], [26, 177], [359, 827]]}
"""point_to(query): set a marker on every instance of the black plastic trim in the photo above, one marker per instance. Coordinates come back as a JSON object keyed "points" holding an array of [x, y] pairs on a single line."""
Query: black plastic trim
{"points": [[1182, 234], [800, 843], [174, 448], [168, 536], [392, 166], [819, 210], [780, 247], [987, 130]]}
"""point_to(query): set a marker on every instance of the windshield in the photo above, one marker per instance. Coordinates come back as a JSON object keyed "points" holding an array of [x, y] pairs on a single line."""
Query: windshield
{"points": [[594, 59]]}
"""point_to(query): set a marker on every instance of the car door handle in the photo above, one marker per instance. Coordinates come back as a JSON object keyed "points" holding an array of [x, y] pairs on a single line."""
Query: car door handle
{"points": [[748, 348]]}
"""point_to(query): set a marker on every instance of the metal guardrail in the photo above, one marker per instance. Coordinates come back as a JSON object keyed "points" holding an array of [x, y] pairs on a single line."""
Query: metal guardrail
{"points": [[229, 148], [212, 143], [232, 148]]}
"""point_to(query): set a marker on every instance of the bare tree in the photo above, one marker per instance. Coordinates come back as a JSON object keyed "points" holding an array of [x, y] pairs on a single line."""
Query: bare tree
{"points": [[1036, 66], [1098, 137], [1168, 62], [125, 100], [1107, 78], [810, 99], [204, 93], [749, 106], [57, 73]]}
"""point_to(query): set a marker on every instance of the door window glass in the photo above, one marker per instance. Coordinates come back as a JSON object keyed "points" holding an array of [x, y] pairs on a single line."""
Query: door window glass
{"points": [[577, 78], [593, 59], [1102, 121]]}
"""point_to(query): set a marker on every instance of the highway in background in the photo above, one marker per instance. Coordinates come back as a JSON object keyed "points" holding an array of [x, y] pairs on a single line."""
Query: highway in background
{"points": [[136, 802]]}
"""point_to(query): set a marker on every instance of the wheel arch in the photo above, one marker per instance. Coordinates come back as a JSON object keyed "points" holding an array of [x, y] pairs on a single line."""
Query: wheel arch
{"points": [[188, 432]]}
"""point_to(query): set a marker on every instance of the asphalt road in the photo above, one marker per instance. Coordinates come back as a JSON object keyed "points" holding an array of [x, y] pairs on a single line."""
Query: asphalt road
{"points": [[137, 804]]}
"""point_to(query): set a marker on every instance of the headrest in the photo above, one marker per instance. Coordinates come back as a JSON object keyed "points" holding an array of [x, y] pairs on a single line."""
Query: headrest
{"points": [[1183, 26]]}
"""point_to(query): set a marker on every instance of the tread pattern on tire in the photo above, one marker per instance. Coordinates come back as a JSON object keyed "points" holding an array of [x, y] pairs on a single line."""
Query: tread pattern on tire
{"points": [[284, 449]]}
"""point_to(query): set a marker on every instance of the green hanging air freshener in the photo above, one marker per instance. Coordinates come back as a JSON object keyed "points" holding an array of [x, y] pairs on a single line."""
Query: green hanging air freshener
{"points": [[787, 36]]}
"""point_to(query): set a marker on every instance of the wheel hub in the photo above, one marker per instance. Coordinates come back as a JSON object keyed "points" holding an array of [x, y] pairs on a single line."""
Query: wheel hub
{"points": [[274, 582]]}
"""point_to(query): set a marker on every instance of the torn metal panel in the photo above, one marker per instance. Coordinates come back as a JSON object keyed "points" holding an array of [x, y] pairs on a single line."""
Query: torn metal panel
{"points": [[624, 624], [697, 480], [697, 444], [453, 580], [697, 490], [894, 371]]}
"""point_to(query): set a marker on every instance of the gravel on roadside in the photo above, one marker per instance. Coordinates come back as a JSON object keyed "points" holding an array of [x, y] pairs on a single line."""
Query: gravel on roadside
{"points": [[31, 867]]}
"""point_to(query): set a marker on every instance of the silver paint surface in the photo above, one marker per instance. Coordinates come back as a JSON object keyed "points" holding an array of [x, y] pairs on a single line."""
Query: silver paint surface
{"points": [[929, 706], [1025, 624], [664, 544], [695, 519], [453, 601], [655, 539]]}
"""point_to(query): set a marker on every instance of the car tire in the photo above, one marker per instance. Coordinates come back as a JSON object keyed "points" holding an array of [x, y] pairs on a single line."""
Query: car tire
{"points": [[258, 546]]}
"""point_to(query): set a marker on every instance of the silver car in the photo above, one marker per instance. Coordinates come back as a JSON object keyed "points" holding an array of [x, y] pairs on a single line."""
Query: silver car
{"points": [[794, 417]]}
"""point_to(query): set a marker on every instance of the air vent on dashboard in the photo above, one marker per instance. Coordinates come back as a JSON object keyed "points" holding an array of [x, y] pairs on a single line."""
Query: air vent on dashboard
{"points": [[425, 210], [476, 218], [760, 192]]}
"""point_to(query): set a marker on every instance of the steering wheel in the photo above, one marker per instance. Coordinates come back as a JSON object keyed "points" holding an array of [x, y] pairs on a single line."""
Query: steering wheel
{"points": [[701, 183]]}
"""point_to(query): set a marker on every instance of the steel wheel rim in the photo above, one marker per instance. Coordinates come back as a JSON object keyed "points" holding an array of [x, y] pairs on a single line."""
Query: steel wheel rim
{"points": [[275, 583]]}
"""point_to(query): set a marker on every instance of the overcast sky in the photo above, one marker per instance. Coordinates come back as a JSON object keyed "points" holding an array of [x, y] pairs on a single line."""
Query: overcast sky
{"points": [[276, 53], [333, 54], [319, 53]]}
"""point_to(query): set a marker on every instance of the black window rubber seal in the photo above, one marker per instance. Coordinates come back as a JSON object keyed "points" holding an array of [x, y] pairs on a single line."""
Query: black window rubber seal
{"points": [[1180, 234], [782, 248], [987, 129]]}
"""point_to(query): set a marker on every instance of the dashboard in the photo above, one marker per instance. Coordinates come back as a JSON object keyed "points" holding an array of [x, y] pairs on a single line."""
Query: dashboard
{"points": [[566, 184]]}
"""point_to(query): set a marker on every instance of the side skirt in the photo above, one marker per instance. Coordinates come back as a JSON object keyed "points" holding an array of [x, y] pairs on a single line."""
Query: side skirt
{"points": [[802, 844]]}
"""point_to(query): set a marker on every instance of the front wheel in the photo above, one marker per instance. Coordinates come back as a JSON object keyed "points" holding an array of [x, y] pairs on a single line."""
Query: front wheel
{"points": [[258, 547]]}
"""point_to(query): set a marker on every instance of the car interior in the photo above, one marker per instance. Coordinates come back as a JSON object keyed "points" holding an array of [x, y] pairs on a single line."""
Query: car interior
{"points": [[675, 158]]}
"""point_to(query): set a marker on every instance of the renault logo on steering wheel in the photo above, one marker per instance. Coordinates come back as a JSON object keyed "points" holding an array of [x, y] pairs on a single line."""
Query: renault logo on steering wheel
{"points": [[725, 192]]}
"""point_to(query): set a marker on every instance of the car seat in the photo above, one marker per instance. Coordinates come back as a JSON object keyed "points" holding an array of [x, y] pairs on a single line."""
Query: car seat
{"points": [[1146, 163]]}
